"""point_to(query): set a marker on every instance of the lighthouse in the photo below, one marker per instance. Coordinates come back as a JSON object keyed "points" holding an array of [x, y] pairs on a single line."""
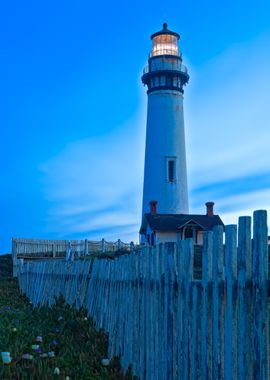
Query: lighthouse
{"points": [[165, 212], [165, 171]]}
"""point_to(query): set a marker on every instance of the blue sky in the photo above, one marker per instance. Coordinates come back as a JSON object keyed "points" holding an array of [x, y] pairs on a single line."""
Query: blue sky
{"points": [[73, 111]]}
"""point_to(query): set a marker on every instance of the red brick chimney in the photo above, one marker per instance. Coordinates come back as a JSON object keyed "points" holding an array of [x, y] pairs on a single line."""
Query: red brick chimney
{"points": [[209, 208], [153, 207]]}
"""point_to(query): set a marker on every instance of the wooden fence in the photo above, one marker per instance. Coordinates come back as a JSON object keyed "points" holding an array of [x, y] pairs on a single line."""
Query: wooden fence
{"points": [[161, 320], [36, 249]]}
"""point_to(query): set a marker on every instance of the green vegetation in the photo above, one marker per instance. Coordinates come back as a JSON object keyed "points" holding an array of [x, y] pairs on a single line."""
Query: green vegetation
{"points": [[106, 255], [5, 266], [78, 348]]}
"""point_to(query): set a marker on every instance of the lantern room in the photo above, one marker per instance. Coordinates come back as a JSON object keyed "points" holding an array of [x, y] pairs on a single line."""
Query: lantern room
{"points": [[165, 42]]}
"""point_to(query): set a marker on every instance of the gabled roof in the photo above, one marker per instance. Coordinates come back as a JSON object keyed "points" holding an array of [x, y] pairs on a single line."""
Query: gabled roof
{"points": [[174, 222]]}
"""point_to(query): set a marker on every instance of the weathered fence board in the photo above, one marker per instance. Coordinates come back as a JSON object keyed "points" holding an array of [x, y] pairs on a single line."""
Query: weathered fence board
{"points": [[161, 317], [230, 330]]}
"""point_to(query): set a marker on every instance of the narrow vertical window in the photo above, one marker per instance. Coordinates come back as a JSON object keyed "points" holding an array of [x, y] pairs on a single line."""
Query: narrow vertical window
{"points": [[169, 81], [171, 169]]}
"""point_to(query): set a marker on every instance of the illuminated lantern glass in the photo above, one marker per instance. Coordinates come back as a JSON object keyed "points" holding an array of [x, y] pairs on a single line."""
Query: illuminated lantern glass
{"points": [[165, 44]]}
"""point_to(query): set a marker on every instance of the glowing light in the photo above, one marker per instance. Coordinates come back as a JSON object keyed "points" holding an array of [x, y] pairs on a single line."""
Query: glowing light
{"points": [[165, 44]]}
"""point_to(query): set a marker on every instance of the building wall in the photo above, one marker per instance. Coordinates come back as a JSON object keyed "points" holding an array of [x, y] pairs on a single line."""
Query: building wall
{"points": [[167, 237], [165, 138]]}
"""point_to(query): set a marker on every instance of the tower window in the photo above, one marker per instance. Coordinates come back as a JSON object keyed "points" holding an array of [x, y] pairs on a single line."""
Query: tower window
{"points": [[169, 81], [171, 171], [162, 80]]}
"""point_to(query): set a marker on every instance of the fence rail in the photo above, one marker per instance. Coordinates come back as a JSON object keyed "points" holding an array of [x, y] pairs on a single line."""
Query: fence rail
{"points": [[163, 321]]}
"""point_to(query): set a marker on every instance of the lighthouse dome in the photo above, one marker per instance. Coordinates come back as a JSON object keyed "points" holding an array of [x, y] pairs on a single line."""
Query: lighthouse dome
{"points": [[165, 31]]}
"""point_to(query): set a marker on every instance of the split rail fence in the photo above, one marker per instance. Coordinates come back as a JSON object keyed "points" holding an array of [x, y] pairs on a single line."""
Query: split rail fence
{"points": [[162, 321]]}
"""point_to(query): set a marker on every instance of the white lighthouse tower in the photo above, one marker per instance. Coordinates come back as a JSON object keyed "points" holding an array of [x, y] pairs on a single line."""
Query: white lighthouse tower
{"points": [[165, 172]]}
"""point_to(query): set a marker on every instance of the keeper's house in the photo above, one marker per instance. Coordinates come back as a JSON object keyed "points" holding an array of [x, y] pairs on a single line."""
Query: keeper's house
{"points": [[160, 228]]}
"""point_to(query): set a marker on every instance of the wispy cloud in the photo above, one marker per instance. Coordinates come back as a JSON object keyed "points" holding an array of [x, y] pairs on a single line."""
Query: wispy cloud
{"points": [[228, 114], [94, 185], [228, 134], [230, 187]]}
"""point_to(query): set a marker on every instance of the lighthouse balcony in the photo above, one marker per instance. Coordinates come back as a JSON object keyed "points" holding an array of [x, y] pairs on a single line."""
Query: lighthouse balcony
{"points": [[165, 66]]}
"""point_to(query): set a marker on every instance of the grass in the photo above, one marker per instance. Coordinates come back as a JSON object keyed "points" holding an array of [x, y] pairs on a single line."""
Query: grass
{"points": [[79, 348]]}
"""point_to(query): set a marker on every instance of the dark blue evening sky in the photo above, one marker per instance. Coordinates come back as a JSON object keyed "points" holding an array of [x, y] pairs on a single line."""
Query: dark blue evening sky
{"points": [[72, 107]]}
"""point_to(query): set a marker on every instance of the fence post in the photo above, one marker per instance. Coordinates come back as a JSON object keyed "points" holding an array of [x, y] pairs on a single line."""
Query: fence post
{"points": [[79, 248], [244, 341], [21, 265], [244, 246], [68, 248], [218, 303], [143, 316], [148, 311], [158, 303], [72, 253], [168, 310], [180, 308], [53, 250], [260, 298], [103, 245], [85, 247], [206, 321], [188, 277], [230, 331], [118, 244]]}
